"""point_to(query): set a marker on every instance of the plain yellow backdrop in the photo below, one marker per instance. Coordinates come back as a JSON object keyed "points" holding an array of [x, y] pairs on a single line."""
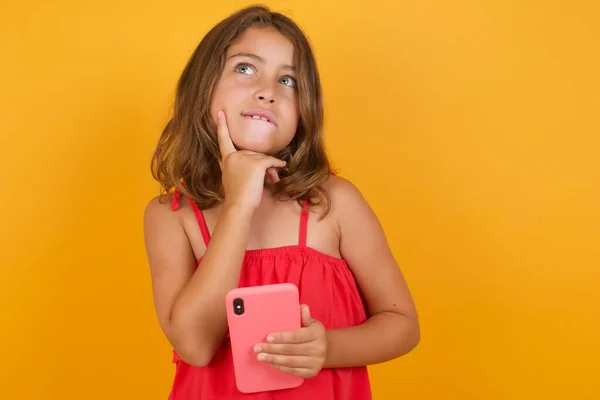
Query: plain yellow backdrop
{"points": [[471, 127]]}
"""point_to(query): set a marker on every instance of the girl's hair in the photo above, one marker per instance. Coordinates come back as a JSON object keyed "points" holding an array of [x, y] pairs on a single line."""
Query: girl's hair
{"points": [[187, 155]]}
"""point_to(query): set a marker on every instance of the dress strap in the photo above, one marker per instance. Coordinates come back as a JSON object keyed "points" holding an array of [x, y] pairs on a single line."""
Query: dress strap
{"points": [[303, 223], [175, 204], [304, 220], [201, 221]]}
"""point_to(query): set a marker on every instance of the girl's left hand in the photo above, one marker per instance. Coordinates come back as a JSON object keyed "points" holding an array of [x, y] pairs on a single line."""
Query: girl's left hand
{"points": [[301, 352]]}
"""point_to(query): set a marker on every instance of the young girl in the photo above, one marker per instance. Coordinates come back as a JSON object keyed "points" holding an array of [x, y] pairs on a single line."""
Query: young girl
{"points": [[252, 201]]}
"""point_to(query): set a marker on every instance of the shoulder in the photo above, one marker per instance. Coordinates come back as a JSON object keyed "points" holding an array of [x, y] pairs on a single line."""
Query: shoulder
{"points": [[171, 221], [340, 187], [344, 195], [347, 203], [159, 212], [165, 232], [159, 206]]}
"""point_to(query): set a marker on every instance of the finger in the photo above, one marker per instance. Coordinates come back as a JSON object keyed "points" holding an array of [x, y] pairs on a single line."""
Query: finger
{"points": [[273, 175], [298, 336], [225, 144], [301, 372], [305, 313], [272, 162], [286, 361], [303, 349]]}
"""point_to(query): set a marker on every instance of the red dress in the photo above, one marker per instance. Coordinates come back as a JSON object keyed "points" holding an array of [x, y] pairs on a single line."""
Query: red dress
{"points": [[326, 285]]}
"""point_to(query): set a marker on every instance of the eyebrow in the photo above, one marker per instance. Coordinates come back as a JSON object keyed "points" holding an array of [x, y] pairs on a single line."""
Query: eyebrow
{"points": [[259, 59]]}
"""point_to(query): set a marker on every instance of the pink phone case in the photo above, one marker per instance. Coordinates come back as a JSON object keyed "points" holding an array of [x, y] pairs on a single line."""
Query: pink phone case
{"points": [[252, 314]]}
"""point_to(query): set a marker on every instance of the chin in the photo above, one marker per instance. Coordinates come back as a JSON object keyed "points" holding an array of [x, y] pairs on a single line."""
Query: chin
{"points": [[263, 147], [260, 141]]}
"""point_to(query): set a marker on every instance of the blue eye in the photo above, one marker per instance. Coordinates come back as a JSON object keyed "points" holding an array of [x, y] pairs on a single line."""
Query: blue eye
{"points": [[288, 80], [243, 68]]}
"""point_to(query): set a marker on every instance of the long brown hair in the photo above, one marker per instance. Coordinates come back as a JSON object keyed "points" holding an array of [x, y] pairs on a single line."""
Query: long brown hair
{"points": [[187, 155]]}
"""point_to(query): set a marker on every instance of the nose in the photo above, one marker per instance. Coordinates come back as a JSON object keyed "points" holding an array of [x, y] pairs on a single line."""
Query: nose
{"points": [[267, 99], [265, 94]]}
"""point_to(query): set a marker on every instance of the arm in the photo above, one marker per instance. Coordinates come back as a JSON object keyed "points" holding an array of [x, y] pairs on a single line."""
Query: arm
{"points": [[189, 301], [393, 328]]}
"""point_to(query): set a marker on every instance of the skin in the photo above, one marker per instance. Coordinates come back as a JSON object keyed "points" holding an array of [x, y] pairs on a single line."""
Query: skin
{"points": [[259, 75], [189, 301]]}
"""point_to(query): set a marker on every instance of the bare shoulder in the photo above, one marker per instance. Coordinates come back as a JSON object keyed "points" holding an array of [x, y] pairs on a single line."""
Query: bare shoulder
{"points": [[159, 212], [159, 208], [359, 228], [336, 184], [346, 198], [160, 221], [163, 228], [163, 225]]}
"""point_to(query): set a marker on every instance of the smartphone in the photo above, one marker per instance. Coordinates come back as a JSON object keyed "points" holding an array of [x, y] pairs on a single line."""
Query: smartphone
{"points": [[252, 314]]}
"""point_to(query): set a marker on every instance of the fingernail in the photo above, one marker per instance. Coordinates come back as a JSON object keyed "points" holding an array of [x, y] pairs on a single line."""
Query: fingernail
{"points": [[220, 114], [262, 357], [258, 348], [270, 338]]}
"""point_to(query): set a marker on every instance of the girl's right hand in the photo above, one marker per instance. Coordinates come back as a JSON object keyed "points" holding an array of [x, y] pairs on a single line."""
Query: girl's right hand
{"points": [[243, 171]]}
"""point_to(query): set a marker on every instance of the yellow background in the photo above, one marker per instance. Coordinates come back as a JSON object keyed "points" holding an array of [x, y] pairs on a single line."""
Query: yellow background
{"points": [[471, 127]]}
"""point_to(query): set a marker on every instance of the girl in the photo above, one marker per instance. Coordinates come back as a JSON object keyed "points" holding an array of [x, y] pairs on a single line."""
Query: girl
{"points": [[254, 202]]}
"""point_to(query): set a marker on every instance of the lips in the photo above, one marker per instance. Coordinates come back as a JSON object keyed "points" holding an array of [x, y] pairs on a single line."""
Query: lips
{"points": [[260, 115]]}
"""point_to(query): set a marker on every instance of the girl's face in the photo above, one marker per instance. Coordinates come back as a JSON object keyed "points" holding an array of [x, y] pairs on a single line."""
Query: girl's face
{"points": [[257, 91]]}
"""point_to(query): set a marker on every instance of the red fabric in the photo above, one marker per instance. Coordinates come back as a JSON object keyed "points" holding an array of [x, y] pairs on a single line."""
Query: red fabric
{"points": [[326, 285]]}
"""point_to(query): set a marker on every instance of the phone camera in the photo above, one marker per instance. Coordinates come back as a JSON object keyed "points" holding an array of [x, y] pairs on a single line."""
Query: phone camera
{"points": [[238, 306]]}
